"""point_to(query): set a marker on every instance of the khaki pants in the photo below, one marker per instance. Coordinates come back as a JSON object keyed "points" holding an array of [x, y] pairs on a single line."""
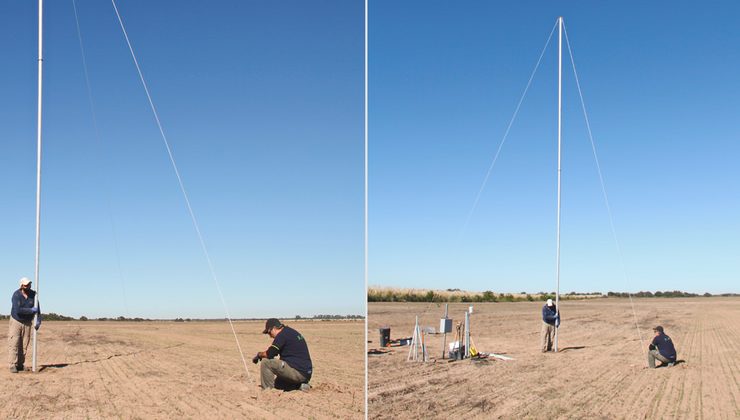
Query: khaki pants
{"points": [[547, 335], [655, 354], [275, 370], [19, 335]]}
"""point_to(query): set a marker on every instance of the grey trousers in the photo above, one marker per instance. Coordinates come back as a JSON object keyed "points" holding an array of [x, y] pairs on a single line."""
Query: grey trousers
{"points": [[547, 335], [19, 335], [272, 369], [655, 354]]}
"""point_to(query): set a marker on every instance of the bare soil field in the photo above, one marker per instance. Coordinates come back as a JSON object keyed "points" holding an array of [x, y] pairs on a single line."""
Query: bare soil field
{"points": [[180, 370], [600, 371]]}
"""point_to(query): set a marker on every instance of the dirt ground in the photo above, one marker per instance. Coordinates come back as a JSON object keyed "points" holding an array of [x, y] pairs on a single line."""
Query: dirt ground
{"points": [[599, 372], [180, 370]]}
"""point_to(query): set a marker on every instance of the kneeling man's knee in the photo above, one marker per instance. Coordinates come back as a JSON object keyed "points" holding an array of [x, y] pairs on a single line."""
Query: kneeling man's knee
{"points": [[270, 364]]}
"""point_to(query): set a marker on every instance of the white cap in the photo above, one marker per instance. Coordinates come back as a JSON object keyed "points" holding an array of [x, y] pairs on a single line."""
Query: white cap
{"points": [[25, 281], [549, 302]]}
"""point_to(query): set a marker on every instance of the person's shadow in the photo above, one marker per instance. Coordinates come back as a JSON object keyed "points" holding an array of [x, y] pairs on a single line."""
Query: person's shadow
{"points": [[286, 386], [571, 348], [665, 365]]}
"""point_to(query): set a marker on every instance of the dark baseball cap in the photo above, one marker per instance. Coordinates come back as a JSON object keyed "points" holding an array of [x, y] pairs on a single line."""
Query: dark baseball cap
{"points": [[658, 329], [272, 322]]}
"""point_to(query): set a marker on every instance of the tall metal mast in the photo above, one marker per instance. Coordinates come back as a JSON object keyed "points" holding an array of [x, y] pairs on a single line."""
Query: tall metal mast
{"points": [[560, 102], [38, 174]]}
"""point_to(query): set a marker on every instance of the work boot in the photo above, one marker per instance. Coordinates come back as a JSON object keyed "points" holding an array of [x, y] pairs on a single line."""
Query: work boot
{"points": [[13, 369]]}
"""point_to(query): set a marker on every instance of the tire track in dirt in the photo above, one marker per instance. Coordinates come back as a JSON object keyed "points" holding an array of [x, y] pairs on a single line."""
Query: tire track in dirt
{"points": [[715, 362], [103, 392], [699, 355], [588, 393], [67, 354], [723, 360], [120, 379], [394, 385], [689, 347]]}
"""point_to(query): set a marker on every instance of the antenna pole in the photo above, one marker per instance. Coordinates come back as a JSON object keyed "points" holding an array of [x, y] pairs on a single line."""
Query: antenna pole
{"points": [[467, 334], [560, 124], [38, 175], [444, 341]]}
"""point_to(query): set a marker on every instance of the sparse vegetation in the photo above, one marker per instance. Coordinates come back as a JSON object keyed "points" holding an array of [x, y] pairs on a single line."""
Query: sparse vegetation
{"points": [[457, 295], [387, 294], [51, 316], [666, 294], [338, 317]]}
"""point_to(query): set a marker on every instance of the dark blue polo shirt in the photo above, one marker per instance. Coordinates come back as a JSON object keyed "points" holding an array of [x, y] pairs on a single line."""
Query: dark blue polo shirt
{"points": [[293, 350], [665, 346], [548, 314], [21, 310]]}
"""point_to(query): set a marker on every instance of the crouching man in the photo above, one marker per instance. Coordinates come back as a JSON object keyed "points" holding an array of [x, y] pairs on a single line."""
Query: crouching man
{"points": [[293, 370], [662, 349]]}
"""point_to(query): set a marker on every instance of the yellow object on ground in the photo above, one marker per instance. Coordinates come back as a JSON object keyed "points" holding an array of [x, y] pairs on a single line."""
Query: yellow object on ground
{"points": [[473, 351]]}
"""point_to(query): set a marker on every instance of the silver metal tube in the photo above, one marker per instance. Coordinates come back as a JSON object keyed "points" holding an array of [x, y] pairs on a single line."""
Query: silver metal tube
{"points": [[38, 174], [467, 334], [444, 340], [560, 114]]}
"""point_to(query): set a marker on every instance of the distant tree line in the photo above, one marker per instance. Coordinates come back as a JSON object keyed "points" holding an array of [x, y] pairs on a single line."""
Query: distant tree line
{"points": [[667, 294], [456, 295], [51, 316], [332, 317], [123, 318], [432, 296]]}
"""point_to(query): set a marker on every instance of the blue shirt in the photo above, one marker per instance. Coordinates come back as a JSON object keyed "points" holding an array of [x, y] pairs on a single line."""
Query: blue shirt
{"points": [[665, 346], [293, 350], [21, 310], [548, 314]]}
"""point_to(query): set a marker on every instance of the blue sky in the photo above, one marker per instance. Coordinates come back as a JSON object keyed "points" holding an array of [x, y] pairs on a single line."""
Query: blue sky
{"points": [[661, 87], [262, 103]]}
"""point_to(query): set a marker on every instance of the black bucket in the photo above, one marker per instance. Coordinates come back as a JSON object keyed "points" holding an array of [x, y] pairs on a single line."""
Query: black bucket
{"points": [[385, 336]]}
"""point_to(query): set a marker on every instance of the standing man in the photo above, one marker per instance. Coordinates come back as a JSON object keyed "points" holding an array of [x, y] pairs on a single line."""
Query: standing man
{"points": [[662, 349], [550, 321], [293, 370], [21, 318]]}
